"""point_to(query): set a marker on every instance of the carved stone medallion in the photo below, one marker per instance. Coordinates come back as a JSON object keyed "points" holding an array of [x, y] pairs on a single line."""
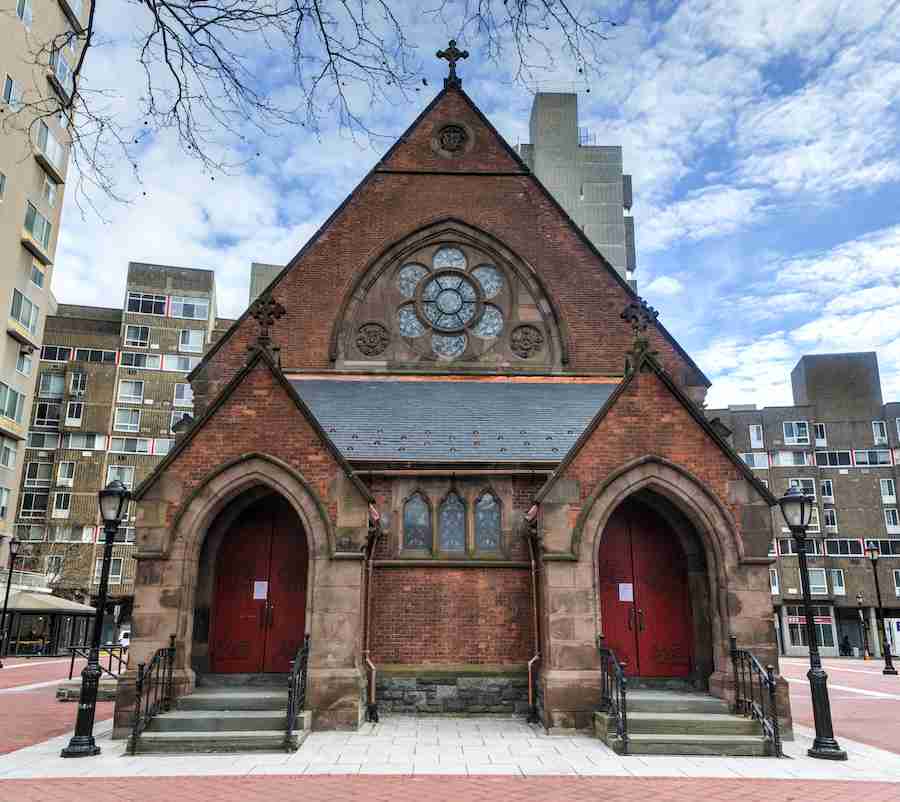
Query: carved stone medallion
{"points": [[372, 339], [452, 138], [525, 341]]}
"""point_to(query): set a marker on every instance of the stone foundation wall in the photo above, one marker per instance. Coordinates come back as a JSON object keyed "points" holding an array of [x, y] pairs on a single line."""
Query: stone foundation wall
{"points": [[453, 693]]}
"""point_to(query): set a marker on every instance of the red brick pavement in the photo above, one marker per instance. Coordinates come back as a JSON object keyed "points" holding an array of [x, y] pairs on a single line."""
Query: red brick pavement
{"points": [[441, 789]]}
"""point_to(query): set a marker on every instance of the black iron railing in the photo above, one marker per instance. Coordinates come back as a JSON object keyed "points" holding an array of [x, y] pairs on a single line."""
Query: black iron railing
{"points": [[297, 683], [114, 654], [755, 694], [613, 700], [153, 690]]}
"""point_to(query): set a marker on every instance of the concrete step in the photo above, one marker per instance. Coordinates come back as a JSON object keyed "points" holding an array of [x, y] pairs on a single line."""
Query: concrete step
{"points": [[643, 701], [219, 721], [691, 724], [210, 742], [228, 699], [671, 744], [246, 681]]}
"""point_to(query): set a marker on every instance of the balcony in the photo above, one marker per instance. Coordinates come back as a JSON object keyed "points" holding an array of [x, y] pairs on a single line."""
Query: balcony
{"points": [[9, 428]]}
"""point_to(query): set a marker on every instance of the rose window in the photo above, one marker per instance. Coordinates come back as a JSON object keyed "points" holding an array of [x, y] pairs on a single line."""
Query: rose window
{"points": [[449, 303]]}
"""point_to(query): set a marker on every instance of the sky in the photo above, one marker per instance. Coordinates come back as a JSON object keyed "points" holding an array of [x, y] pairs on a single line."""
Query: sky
{"points": [[763, 138]]}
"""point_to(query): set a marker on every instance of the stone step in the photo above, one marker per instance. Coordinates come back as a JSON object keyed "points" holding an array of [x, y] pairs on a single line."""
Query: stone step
{"points": [[261, 699], [247, 681], [674, 702], [220, 721], [691, 724], [671, 744], [210, 742]]}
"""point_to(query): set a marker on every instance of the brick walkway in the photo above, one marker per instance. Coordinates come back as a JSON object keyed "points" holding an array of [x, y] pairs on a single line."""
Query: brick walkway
{"points": [[441, 789]]}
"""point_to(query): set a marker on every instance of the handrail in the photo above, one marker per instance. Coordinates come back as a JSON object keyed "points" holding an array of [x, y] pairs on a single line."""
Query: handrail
{"points": [[755, 694], [297, 683], [614, 687], [153, 690], [114, 651]]}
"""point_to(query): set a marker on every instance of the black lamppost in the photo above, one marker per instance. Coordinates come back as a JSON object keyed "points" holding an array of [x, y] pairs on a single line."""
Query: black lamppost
{"points": [[13, 553], [797, 511], [862, 626], [113, 500], [873, 552]]}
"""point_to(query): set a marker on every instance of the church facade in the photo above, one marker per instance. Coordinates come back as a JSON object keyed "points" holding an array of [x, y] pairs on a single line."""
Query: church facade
{"points": [[452, 446]]}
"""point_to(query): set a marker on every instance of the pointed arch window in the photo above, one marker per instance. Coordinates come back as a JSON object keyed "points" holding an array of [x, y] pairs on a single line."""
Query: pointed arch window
{"points": [[452, 523], [417, 523], [487, 522]]}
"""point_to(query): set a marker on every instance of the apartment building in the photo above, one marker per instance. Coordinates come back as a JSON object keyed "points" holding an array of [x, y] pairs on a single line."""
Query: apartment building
{"points": [[840, 443], [111, 388], [33, 165]]}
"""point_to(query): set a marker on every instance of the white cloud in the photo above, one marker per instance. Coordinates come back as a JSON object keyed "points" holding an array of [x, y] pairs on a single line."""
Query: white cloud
{"points": [[664, 285]]}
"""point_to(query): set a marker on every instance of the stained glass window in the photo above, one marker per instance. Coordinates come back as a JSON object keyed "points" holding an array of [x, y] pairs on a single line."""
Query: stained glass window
{"points": [[449, 257], [410, 325], [452, 524], [451, 346], [491, 323], [489, 278], [449, 301], [409, 277], [487, 523], [417, 523]]}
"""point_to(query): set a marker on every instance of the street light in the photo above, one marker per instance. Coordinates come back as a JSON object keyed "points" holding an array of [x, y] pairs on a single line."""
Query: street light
{"points": [[797, 511], [873, 552], [113, 500], [862, 626], [13, 553]]}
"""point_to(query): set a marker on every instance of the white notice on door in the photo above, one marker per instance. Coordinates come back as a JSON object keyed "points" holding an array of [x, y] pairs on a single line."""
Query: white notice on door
{"points": [[626, 592], [260, 590]]}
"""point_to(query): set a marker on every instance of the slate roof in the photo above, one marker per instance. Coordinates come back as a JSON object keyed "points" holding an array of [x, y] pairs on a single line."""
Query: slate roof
{"points": [[453, 421]]}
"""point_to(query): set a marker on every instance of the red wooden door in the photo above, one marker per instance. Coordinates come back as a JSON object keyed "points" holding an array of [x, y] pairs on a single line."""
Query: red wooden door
{"points": [[259, 611], [644, 594]]}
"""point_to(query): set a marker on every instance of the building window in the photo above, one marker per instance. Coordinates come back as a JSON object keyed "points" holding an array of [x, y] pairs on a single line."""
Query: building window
{"points": [[84, 442], [827, 488], [789, 459], [833, 459], [65, 474], [131, 392], [756, 436], [55, 353], [146, 304], [127, 420], [817, 584], [145, 361], [37, 273], [31, 533], [46, 415], [191, 340], [24, 312], [821, 624], [12, 93], [837, 582], [8, 449], [773, 581], [872, 457], [417, 532], [95, 355], [892, 520], [888, 491], [787, 547], [487, 523], [879, 432], [63, 71], [115, 571], [38, 226], [756, 459], [808, 486], [62, 503], [38, 474], [190, 308], [34, 505], [4, 501], [24, 363], [11, 403], [48, 193], [2, 185], [177, 416], [830, 515], [820, 434], [53, 385], [74, 411], [181, 364], [124, 473], [886, 548], [796, 433], [896, 582], [129, 445], [452, 523], [137, 336], [78, 383], [162, 446], [47, 441], [814, 521], [844, 547], [184, 396], [24, 12], [50, 146]]}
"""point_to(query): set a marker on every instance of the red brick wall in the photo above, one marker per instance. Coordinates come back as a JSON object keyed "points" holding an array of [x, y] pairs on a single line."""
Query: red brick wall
{"points": [[452, 615], [389, 207]]}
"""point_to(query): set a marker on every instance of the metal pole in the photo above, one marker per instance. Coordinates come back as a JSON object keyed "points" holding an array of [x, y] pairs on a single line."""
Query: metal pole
{"points": [[4, 635], [824, 746], [82, 743], [885, 645]]}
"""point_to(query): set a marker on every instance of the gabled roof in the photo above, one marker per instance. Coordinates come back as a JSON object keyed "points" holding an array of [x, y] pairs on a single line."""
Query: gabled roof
{"points": [[516, 167], [259, 355], [648, 362], [467, 422]]}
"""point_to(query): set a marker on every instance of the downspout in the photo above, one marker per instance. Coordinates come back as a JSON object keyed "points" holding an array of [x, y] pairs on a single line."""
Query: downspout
{"points": [[532, 537], [371, 541]]}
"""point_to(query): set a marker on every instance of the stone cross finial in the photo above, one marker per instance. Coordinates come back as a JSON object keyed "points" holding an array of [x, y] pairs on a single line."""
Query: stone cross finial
{"points": [[452, 54], [640, 315], [266, 310]]}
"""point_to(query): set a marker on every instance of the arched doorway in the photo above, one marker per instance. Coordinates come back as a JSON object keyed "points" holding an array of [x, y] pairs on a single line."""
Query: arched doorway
{"points": [[258, 615], [645, 602]]}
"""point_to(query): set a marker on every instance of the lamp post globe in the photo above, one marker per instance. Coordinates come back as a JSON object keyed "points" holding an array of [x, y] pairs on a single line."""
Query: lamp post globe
{"points": [[14, 546], [796, 508], [113, 500], [873, 552]]}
